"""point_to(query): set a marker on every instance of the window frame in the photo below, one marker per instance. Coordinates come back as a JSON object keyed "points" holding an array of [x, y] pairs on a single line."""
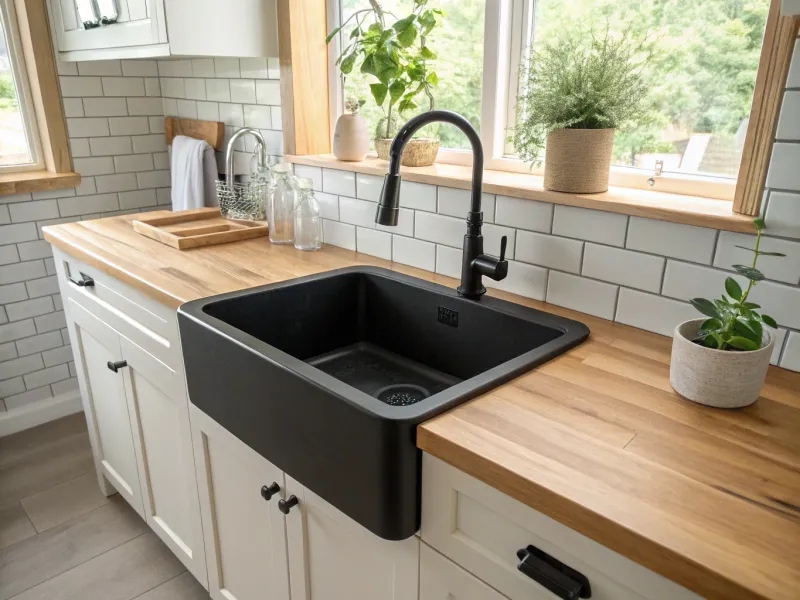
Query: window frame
{"points": [[502, 56], [19, 73]]}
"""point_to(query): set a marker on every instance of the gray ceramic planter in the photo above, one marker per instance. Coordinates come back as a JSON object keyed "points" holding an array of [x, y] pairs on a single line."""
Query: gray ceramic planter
{"points": [[718, 378]]}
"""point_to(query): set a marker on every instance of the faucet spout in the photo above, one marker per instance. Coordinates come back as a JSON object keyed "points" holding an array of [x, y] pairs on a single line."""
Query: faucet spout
{"points": [[475, 262]]}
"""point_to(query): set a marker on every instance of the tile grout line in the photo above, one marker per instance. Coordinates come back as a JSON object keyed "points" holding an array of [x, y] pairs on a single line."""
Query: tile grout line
{"points": [[158, 586]]}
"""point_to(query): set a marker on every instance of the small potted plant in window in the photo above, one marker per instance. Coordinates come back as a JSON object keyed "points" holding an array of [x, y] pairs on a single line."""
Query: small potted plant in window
{"points": [[574, 94], [350, 138], [722, 359], [398, 56]]}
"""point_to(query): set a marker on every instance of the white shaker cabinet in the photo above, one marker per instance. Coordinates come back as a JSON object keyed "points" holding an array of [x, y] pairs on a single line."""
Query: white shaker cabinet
{"points": [[150, 28], [442, 579]]}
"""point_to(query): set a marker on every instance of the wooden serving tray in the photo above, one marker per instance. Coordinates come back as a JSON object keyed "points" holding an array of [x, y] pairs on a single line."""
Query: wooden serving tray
{"points": [[187, 229]]}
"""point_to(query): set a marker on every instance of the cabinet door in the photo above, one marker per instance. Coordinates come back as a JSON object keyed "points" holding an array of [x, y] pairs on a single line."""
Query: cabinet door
{"points": [[140, 23], [245, 535], [166, 463], [332, 557], [442, 579], [104, 401]]}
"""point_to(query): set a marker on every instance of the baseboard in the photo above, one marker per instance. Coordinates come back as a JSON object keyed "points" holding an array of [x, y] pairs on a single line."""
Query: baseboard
{"points": [[40, 412]]}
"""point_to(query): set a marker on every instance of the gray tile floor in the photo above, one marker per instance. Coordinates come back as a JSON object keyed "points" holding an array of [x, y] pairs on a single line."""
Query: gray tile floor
{"points": [[61, 539]]}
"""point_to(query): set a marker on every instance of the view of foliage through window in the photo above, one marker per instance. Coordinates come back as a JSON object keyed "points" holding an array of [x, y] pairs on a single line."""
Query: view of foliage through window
{"points": [[13, 144], [701, 75]]}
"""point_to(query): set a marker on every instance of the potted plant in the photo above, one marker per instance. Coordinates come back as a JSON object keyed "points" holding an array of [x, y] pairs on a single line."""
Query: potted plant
{"points": [[398, 56], [350, 138], [722, 359], [574, 94]]}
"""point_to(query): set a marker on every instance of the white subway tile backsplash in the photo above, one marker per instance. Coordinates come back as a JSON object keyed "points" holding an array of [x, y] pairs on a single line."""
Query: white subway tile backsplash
{"points": [[368, 187], [524, 214], [256, 116], [312, 173], [111, 146], [591, 225], [195, 89], [791, 352], [173, 87], [448, 261], [39, 343], [684, 281], [789, 119], [129, 125], [57, 356], [123, 86], [80, 87], [783, 173], [10, 387], [100, 67], [17, 331], [328, 205], [783, 214], [413, 252], [160, 161], [581, 294], [268, 92], [357, 212], [374, 243], [695, 244], [187, 109], [523, 279], [203, 67], [255, 68], [632, 269], [116, 183], [149, 143], [339, 234], [12, 293], [208, 111], [26, 398], [105, 107], [549, 251], [73, 107], [84, 205], [218, 90], [405, 223], [8, 254], [140, 68], [243, 90], [133, 163], [145, 107], [341, 183], [780, 268], [29, 308], [87, 127], [22, 232], [36, 210], [20, 366], [79, 147], [779, 301], [137, 199], [779, 336], [153, 179], [102, 165], [273, 68], [456, 203], [46, 376], [492, 234], [231, 114], [34, 250], [67, 385], [651, 312], [793, 80], [226, 67], [440, 229], [50, 322], [277, 119], [46, 286], [419, 196]]}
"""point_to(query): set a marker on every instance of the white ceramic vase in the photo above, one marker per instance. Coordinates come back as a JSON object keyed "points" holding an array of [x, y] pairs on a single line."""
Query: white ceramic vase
{"points": [[350, 139], [720, 378]]}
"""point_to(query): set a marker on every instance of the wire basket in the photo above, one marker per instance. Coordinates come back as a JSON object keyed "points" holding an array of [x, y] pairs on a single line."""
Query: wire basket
{"points": [[242, 201]]}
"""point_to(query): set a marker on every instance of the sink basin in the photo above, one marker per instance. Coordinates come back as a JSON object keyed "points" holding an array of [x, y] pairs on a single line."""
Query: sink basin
{"points": [[327, 376]]}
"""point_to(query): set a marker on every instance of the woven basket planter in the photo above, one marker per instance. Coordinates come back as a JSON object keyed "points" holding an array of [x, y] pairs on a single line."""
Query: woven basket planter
{"points": [[420, 152], [720, 378], [578, 160]]}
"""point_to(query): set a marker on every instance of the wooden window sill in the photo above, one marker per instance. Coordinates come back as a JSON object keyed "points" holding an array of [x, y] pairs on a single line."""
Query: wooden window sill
{"points": [[689, 210], [36, 181]]}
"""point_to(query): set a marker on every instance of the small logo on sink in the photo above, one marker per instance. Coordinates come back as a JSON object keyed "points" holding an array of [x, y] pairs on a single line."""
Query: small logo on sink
{"points": [[448, 316]]}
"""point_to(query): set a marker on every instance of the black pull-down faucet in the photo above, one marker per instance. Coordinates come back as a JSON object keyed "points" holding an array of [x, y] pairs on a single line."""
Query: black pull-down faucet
{"points": [[475, 263]]}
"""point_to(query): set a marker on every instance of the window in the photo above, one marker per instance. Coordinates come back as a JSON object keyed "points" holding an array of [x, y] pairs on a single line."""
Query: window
{"points": [[19, 142], [705, 54]]}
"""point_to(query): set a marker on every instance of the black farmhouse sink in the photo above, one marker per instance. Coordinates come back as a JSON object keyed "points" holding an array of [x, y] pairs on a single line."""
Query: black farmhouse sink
{"points": [[327, 376]]}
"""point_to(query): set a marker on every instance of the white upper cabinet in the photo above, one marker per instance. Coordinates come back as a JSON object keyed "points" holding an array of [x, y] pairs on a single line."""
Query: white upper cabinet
{"points": [[148, 28]]}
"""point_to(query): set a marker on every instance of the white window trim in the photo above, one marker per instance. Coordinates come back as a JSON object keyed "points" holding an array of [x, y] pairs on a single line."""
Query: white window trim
{"points": [[502, 55], [20, 74]]}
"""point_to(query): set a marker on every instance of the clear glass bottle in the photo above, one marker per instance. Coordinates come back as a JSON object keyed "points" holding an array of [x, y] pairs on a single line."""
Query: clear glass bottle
{"points": [[264, 178], [307, 222], [281, 208]]}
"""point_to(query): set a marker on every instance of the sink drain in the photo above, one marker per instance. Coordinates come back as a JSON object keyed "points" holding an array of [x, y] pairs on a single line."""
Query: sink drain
{"points": [[402, 394]]}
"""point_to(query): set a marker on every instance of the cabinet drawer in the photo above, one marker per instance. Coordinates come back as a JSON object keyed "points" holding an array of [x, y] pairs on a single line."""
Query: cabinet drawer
{"points": [[482, 529], [442, 579], [146, 322]]}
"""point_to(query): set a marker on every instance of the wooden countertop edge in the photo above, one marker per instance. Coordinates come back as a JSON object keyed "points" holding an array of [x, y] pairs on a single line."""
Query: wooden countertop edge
{"points": [[640, 549]]}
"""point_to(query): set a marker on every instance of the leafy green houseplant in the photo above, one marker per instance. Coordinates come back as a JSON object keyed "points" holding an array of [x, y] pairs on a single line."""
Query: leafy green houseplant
{"points": [[396, 54], [722, 359], [574, 94]]}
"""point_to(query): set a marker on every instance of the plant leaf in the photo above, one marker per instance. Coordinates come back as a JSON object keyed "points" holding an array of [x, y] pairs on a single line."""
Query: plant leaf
{"points": [[751, 305], [769, 321], [742, 343], [407, 36], [749, 272], [332, 34], [379, 92], [347, 64], [759, 223], [706, 307], [744, 331], [427, 53], [760, 252], [733, 288], [432, 79]]}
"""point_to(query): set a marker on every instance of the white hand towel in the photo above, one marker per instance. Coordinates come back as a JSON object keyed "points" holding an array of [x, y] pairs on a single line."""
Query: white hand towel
{"points": [[194, 172]]}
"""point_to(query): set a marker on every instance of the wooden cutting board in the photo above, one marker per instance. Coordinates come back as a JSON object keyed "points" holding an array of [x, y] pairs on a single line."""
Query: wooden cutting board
{"points": [[196, 228]]}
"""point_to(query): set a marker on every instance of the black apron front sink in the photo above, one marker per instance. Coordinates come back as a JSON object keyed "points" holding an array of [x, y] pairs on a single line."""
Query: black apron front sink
{"points": [[328, 376]]}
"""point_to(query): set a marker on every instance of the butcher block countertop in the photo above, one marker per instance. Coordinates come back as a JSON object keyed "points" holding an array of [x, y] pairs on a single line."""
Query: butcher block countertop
{"points": [[595, 439]]}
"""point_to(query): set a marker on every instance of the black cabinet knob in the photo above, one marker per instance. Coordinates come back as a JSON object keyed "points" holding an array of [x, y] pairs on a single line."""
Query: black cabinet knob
{"points": [[84, 281], [116, 366], [268, 491], [286, 505], [549, 572]]}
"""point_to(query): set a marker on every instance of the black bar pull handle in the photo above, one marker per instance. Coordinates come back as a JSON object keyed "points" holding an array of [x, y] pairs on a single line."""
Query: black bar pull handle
{"points": [[84, 281], [549, 572], [116, 366]]}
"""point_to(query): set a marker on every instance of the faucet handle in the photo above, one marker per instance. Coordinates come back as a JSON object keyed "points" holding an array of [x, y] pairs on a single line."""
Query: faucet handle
{"points": [[503, 244]]}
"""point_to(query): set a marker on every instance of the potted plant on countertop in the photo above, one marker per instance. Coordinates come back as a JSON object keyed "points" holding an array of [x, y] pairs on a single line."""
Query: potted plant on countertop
{"points": [[574, 94], [398, 56], [722, 359], [350, 138]]}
